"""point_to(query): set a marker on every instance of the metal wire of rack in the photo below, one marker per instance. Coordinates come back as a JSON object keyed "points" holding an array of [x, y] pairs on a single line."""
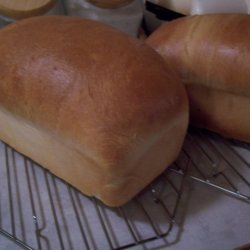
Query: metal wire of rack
{"points": [[34, 205], [218, 162], [40, 211]]}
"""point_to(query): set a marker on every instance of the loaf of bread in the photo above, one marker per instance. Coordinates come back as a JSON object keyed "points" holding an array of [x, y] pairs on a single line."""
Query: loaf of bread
{"points": [[211, 54], [96, 107]]}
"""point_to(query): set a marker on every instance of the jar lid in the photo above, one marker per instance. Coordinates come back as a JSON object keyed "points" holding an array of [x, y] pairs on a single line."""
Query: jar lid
{"points": [[110, 4], [18, 9]]}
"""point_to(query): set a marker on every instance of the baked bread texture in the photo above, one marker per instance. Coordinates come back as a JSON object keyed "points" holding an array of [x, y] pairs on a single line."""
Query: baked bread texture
{"points": [[96, 107], [211, 54]]}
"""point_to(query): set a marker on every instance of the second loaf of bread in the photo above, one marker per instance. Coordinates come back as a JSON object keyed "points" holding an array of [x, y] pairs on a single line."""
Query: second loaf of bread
{"points": [[211, 54], [94, 106]]}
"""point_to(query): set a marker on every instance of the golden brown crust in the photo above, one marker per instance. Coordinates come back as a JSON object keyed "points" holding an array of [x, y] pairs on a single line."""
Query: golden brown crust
{"points": [[220, 111], [68, 57], [211, 54], [108, 97], [212, 50]]}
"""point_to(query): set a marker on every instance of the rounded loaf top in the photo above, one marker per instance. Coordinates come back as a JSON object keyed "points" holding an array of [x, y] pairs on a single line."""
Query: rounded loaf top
{"points": [[212, 50], [70, 74], [96, 107]]}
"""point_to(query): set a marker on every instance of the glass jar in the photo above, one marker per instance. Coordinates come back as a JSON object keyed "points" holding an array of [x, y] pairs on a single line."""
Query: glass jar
{"points": [[110, 4], [200, 7], [125, 15]]}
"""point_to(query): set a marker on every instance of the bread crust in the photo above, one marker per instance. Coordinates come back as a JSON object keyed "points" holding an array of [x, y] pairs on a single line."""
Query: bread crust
{"points": [[220, 111], [211, 51], [106, 97]]}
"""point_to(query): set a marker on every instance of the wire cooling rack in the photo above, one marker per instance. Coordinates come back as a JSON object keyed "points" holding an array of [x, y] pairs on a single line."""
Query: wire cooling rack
{"points": [[40, 211], [218, 162]]}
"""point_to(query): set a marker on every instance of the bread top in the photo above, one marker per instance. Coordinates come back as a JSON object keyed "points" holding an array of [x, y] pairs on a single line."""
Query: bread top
{"points": [[86, 82], [212, 50]]}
